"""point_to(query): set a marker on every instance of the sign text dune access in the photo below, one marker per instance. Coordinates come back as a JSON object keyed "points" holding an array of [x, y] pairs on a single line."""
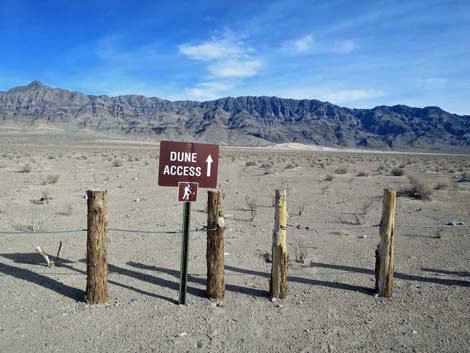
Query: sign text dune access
{"points": [[188, 162]]}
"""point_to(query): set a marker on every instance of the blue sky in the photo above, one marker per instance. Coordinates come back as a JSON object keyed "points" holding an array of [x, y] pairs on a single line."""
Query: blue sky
{"points": [[352, 53]]}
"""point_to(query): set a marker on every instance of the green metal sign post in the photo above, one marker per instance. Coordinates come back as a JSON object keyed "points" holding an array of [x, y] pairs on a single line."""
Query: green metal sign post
{"points": [[189, 166], [184, 253]]}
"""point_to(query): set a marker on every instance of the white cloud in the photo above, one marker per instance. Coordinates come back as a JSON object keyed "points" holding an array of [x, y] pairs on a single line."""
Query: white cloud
{"points": [[226, 56], [351, 95], [235, 68], [433, 83], [214, 49], [209, 90], [344, 47], [308, 45], [336, 96], [228, 60], [300, 45]]}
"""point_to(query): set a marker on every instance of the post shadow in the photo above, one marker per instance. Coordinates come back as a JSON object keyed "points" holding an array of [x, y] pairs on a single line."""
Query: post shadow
{"points": [[43, 281], [406, 277], [33, 258], [310, 281], [447, 272], [118, 270], [203, 281]]}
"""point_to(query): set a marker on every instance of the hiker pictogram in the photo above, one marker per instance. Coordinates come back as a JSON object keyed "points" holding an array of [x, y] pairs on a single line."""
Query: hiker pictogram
{"points": [[187, 192]]}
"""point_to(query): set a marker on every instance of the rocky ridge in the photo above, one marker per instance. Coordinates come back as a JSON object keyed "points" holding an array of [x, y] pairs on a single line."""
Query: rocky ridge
{"points": [[248, 121]]}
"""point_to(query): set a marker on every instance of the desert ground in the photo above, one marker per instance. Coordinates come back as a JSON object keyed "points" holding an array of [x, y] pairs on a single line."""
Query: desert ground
{"points": [[331, 306]]}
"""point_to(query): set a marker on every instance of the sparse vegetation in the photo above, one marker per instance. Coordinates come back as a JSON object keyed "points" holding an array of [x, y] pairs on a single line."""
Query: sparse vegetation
{"points": [[27, 168], [67, 211], [290, 165], [301, 251], [363, 174], [329, 177], [341, 170], [36, 225], [267, 166], [252, 206], [118, 163], [418, 189], [50, 179], [465, 177], [45, 195], [397, 171], [443, 184]]}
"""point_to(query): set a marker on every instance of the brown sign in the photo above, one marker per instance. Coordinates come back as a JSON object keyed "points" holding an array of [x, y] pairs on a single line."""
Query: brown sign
{"points": [[187, 192], [188, 162]]}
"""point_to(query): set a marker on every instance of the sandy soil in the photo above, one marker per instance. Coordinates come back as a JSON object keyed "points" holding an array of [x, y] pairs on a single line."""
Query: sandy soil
{"points": [[331, 306]]}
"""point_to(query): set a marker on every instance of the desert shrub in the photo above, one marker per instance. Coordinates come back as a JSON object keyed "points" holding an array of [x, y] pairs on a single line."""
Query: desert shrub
{"points": [[51, 179], [290, 166], [329, 177], [27, 168], [301, 251], [37, 222], [465, 177], [118, 163], [397, 171], [250, 163], [362, 173], [267, 167], [68, 210], [419, 188], [252, 206], [443, 184], [45, 195], [341, 170]]}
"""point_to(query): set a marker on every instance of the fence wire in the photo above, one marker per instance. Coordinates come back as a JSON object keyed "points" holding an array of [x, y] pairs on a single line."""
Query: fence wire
{"points": [[338, 226], [297, 227], [122, 230]]}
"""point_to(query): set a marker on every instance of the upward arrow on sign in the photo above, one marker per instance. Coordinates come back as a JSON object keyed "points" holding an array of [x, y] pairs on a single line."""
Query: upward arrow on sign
{"points": [[209, 163]]}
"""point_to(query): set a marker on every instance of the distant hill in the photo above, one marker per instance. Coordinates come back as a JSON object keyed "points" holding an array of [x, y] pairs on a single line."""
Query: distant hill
{"points": [[249, 121]]}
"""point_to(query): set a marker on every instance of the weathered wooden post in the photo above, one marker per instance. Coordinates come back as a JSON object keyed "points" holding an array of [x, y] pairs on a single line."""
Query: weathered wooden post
{"points": [[96, 266], [215, 246], [278, 281], [386, 250]]}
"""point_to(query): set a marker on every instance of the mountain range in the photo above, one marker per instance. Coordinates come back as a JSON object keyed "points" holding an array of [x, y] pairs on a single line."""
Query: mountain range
{"points": [[246, 121]]}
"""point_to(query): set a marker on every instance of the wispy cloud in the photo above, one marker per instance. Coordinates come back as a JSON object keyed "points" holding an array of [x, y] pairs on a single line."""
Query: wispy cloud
{"points": [[209, 90], [235, 68], [114, 52], [309, 45], [228, 60], [343, 46], [227, 56], [433, 83], [333, 95], [299, 45], [215, 49], [352, 95]]}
